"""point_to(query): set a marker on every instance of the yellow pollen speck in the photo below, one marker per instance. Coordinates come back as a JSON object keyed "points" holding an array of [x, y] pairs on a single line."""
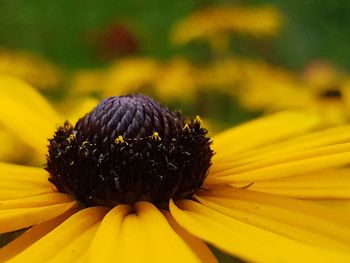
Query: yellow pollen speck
{"points": [[198, 120], [119, 140], [71, 137], [156, 137], [186, 127], [85, 143]]}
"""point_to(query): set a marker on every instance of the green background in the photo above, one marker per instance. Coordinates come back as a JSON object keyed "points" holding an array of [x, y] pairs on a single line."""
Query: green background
{"points": [[65, 31]]}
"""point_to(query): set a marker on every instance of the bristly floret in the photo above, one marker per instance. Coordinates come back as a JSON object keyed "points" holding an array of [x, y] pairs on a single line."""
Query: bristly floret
{"points": [[128, 149]]}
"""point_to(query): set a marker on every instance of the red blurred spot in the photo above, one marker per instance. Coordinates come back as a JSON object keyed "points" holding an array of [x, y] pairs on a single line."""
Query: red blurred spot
{"points": [[117, 40]]}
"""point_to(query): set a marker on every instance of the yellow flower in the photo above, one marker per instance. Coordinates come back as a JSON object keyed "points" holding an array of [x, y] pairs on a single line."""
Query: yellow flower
{"points": [[256, 202], [321, 89], [19, 142], [9, 147], [330, 89], [29, 67], [263, 87], [226, 74], [215, 23], [74, 108], [174, 79], [122, 77], [87, 82]]}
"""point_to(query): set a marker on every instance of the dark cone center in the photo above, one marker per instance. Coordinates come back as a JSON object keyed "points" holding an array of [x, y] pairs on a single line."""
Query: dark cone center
{"points": [[129, 148]]}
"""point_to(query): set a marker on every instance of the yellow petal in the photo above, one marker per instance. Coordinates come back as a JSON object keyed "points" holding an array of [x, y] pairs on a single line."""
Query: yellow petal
{"points": [[8, 194], [271, 200], [283, 158], [84, 257], [106, 245], [327, 184], [85, 106], [291, 146], [76, 248], [31, 176], [35, 201], [276, 220], [139, 236], [18, 181], [14, 219], [244, 240], [32, 235], [132, 238], [339, 205], [22, 92], [157, 229], [216, 21], [9, 146], [198, 246], [80, 226], [262, 131], [26, 113], [292, 165]]}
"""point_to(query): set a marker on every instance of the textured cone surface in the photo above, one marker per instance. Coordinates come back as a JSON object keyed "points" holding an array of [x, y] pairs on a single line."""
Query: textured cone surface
{"points": [[129, 148]]}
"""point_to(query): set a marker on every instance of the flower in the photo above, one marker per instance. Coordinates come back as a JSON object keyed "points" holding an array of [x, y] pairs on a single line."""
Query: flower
{"points": [[29, 67], [8, 147], [216, 22], [269, 88], [87, 81], [321, 89], [15, 135], [241, 208], [330, 89], [169, 80]]}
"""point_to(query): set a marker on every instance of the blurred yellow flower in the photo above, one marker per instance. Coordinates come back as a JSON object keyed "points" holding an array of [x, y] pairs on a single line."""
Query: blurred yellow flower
{"points": [[74, 108], [321, 89], [263, 87], [217, 22], [87, 81], [9, 150], [330, 90], [15, 145], [30, 68], [224, 74], [131, 75], [176, 80], [124, 76], [166, 80]]}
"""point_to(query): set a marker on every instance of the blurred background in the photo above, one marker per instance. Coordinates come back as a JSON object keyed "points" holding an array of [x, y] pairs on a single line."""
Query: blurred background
{"points": [[228, 61]]}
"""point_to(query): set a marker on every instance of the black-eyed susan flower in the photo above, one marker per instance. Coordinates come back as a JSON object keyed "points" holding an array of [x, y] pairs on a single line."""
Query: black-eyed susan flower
{"points": [[321, 89], [29, 67], [217, 22], [131, 182], [8, 147], [167, 80], [285, 91], [330, 89]]}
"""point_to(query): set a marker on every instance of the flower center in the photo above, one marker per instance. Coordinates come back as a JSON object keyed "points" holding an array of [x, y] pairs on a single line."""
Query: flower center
{"points": [[127, 149], [332, 93]]}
